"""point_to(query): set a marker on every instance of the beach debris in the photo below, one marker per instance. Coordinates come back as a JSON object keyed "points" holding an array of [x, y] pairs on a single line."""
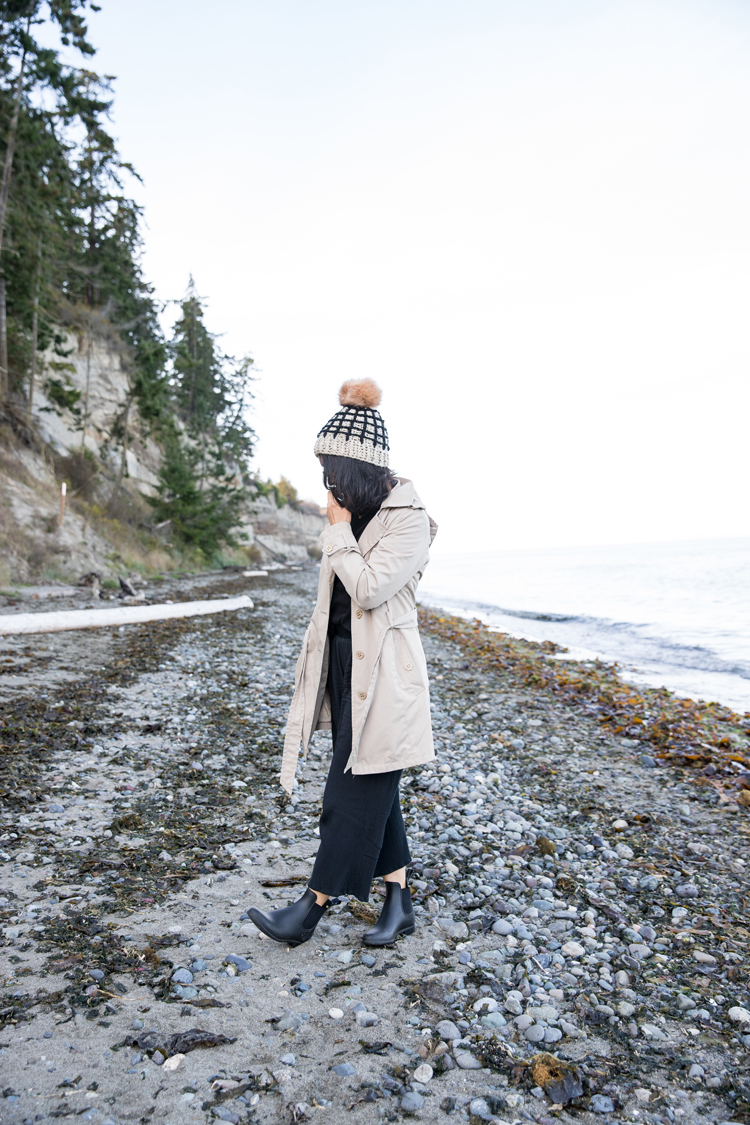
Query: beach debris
{"points": [[11, 624], [179, 1044]]}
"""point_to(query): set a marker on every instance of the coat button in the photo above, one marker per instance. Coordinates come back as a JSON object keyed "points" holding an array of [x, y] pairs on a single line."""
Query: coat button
{"points": [[358, 613], [360, 655], [408, 667], [329, 548], [362, 694]]}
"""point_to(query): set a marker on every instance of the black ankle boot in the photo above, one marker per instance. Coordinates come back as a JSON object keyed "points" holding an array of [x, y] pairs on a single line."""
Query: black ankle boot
{"points": [[396, 917], [292, 924]]}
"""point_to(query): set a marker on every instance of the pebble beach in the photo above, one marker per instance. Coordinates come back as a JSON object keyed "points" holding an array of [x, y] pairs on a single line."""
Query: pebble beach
{"points": [[580, 882]]}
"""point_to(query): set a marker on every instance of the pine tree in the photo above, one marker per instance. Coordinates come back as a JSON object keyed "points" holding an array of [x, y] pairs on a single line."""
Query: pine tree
{"points": [[205, 471]]}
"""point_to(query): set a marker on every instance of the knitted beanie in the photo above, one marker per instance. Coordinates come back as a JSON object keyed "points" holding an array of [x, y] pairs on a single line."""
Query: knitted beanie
{"points": [[357, 430]]}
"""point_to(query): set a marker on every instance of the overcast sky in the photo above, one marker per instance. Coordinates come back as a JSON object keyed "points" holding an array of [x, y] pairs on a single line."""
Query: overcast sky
{"points": [[527, 220]]}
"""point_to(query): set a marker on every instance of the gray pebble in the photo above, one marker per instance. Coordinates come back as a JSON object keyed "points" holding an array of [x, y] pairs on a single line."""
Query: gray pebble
{"points": [[650, 763], [448, 1031], [368, 959], [182, 976], [290, 1021], [600, 1103], [479, 1108], [466, 1060], [241, 964], [97, 974], [535, 1033], [344, 1070], [288, 1060], [411, 1101], [137, 1025]]}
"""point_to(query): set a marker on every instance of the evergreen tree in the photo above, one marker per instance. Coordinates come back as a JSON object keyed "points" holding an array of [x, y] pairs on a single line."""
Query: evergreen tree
{"points": [[207, 448]]}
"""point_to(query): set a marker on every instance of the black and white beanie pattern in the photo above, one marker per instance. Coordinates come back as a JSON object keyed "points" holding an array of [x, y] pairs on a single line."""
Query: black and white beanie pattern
{"points": [[357, 430]]}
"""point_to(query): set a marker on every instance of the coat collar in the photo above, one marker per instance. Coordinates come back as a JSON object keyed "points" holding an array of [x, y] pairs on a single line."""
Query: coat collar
{"points": [[404, 495]]}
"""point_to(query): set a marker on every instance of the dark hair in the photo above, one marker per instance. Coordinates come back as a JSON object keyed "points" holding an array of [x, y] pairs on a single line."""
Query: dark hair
{"points": [[357, 485]]}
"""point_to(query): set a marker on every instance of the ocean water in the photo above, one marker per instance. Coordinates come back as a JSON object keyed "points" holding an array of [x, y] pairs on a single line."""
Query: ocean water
{"points": [[675, 615]]}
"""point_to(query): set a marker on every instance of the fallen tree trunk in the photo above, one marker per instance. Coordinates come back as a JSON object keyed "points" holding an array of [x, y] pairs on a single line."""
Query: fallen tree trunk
{"points": [[123, 615]]}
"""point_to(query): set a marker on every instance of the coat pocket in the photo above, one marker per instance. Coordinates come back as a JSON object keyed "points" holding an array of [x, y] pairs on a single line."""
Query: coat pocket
{"points": [[410, 660]]}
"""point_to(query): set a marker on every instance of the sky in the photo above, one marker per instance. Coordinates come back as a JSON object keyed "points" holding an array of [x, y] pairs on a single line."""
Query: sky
{"points": [[527, 220]]}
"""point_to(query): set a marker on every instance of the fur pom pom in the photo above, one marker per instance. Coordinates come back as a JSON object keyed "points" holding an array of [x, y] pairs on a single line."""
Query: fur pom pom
{"points": [[360, 392]]}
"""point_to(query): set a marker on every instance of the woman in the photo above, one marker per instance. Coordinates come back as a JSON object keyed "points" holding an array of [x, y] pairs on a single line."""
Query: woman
{"points": [[362, 674]]}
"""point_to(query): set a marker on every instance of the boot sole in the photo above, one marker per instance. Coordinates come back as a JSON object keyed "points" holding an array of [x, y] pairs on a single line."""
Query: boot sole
{"points": [[282, 941], [391, 941]]}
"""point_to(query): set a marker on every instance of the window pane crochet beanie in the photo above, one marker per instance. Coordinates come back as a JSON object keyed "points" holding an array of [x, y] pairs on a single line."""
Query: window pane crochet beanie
{"points": [[357, 430]]}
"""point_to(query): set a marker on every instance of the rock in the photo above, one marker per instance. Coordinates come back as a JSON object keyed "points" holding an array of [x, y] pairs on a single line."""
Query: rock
{"points": [[552, 1034], [290, 1021], [696, 1071], [651, 1031], [366, 1019], [494, 1019], [466, 1060], [739, 1015], [572, 949], [647, 761], [641, 1094], [448, 1031], [136, 1025], [97, 974], [624, 852], [622, 980], [173, 1062], [411, 1102], [478, 1107], [182, 976], [423, 1073], [524, 1021], [600, 1103], [535, 1033], [487, 1002], [502, 926], [704, 958], [288, 1060], [685, 1003], [625, 1009], [344, 1070], [335, 1013], [223, 1114], [687, 890], [241, 964], [368, 959], [640, 951], [513, 1005], [456, 930], [345, 956]]}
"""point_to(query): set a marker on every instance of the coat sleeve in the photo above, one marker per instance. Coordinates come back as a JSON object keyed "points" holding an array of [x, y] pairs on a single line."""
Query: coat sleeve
{"points": [[391, 563]]}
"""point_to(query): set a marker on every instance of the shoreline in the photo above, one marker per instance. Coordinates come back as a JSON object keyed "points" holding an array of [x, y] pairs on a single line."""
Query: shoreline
{"points": [[570, 899]]}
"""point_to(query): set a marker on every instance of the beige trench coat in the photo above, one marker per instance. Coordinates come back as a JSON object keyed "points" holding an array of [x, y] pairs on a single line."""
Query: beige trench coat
{"points": [[390, 699]]}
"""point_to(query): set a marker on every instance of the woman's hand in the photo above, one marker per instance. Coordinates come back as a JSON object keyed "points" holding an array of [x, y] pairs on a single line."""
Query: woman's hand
{"points": [[335, 513]]}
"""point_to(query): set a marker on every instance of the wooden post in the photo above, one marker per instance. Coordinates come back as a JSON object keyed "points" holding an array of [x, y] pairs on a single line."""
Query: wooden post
{"points": [[63, 490]]}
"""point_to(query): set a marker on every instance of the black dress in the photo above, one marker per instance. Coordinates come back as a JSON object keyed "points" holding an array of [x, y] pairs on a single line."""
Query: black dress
{"points": [[362, 832]]}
